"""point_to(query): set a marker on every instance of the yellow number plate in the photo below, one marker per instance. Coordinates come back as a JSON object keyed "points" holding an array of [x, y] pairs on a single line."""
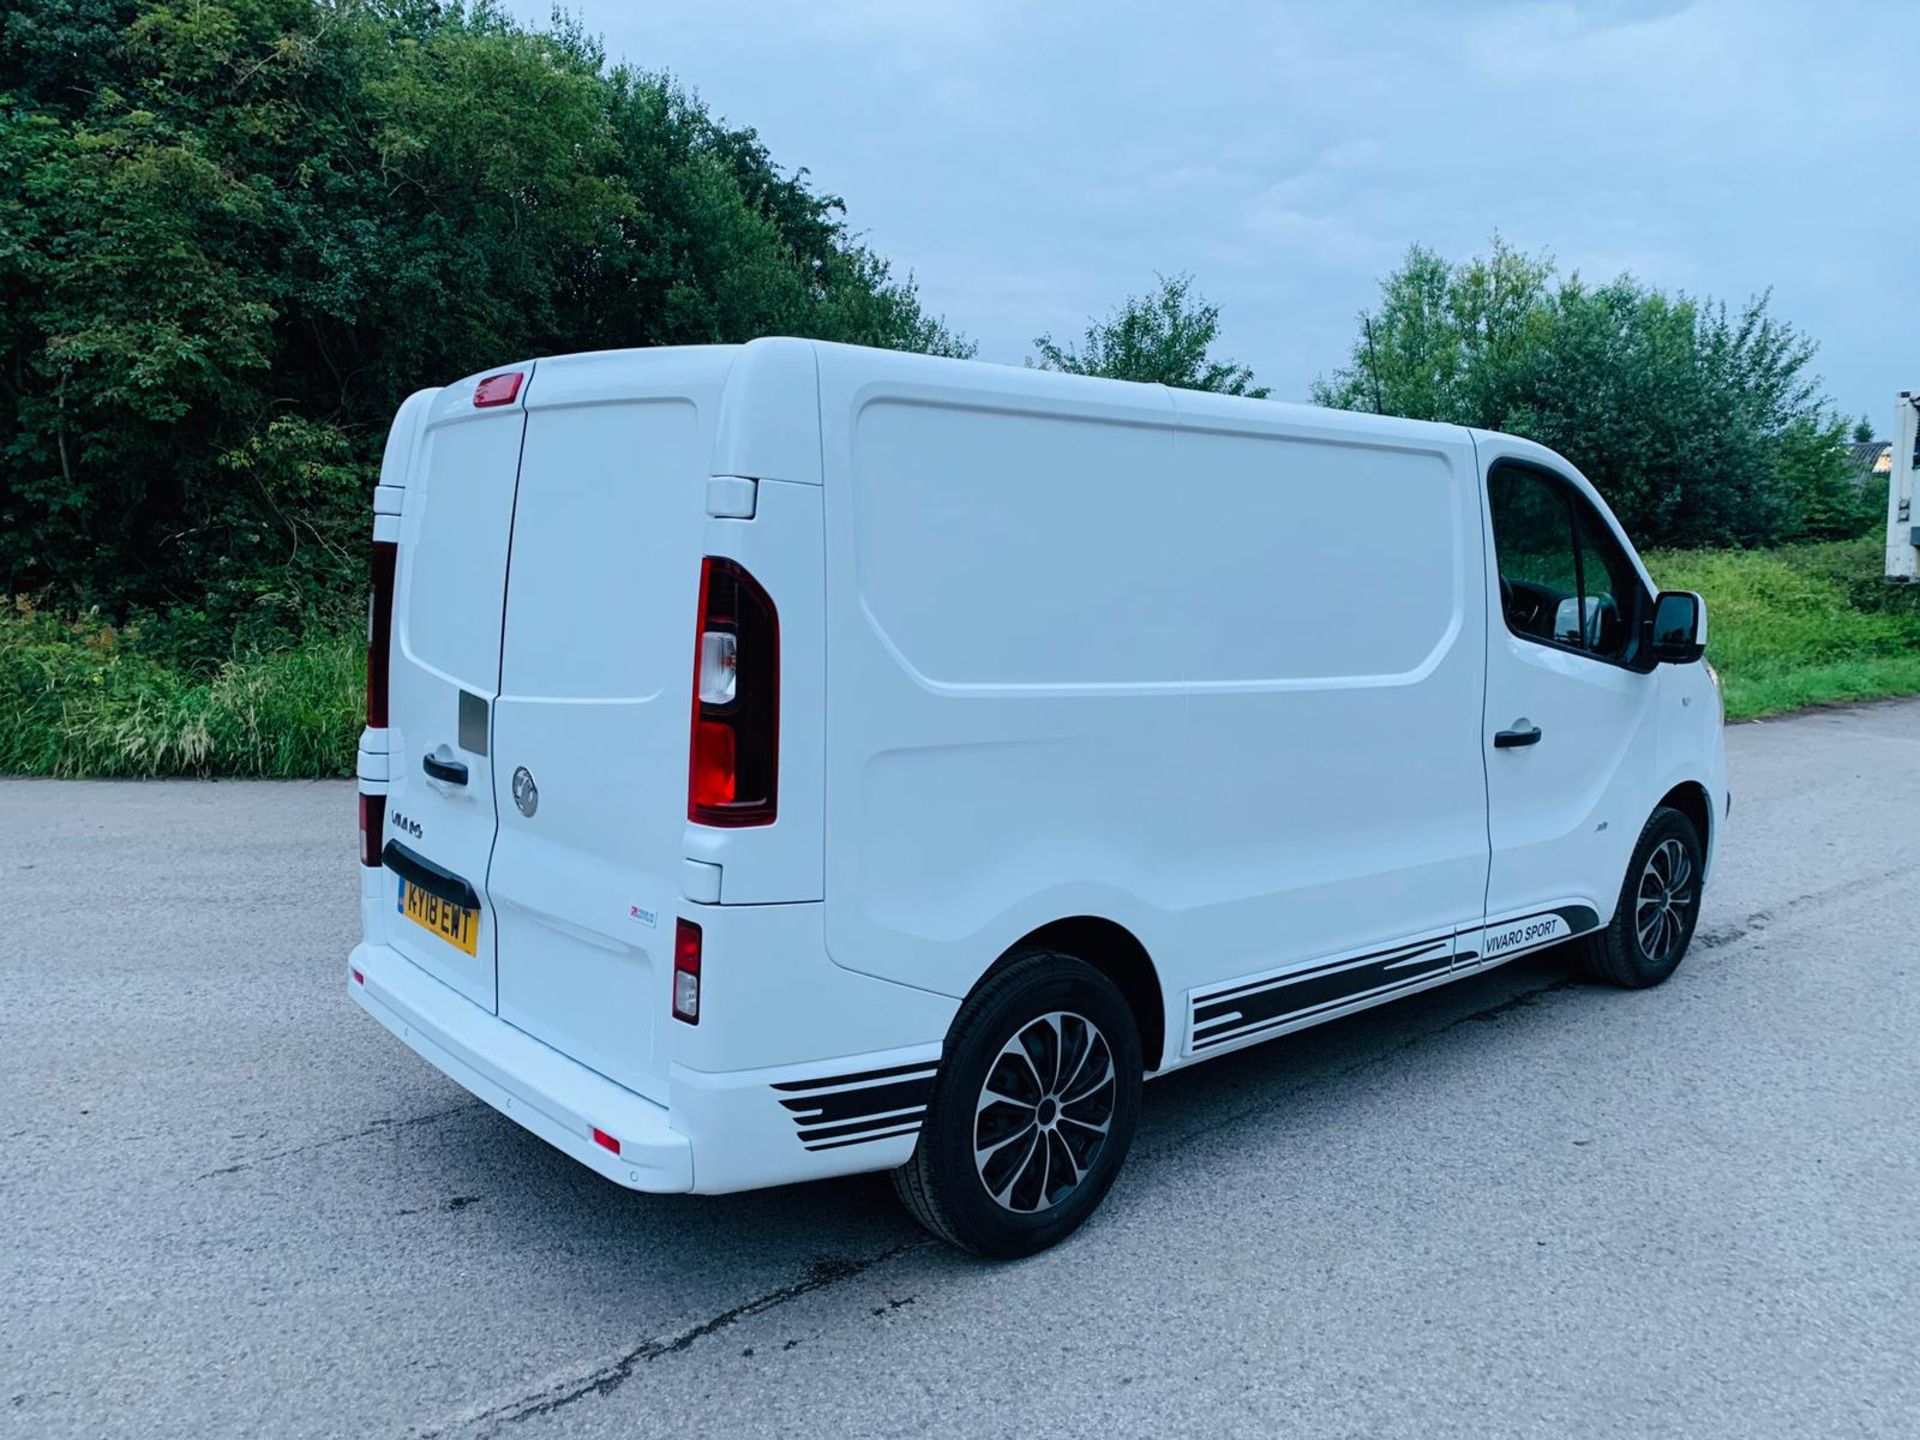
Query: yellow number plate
{"points": [[455, 924]]}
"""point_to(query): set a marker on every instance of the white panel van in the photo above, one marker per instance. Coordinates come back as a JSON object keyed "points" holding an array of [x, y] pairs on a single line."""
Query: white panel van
{"points": [[790, 759]]}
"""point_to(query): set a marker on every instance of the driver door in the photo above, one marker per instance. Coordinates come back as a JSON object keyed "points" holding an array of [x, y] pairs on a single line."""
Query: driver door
{"points": [[1568, 740]]}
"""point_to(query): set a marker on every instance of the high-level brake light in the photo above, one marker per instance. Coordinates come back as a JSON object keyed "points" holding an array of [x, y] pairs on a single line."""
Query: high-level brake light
{"points": [[498, 390]]}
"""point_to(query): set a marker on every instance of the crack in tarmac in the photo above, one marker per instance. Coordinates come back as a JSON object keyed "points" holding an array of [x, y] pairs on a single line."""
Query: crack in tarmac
{"points": [[604, 1380], [379, 1127]]}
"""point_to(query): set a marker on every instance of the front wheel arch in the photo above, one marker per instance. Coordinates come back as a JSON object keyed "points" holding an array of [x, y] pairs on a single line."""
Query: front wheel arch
{"points": [[1691, 799]]}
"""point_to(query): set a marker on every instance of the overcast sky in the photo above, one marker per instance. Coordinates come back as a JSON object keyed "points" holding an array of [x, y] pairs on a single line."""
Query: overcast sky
{"points": [[1033, 164]]}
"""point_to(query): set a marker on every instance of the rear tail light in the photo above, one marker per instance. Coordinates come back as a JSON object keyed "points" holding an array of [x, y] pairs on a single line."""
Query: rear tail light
{"points": [[380, 631], [605, 1141], [373, 813], [686, 972], [732, 772], [381, 565]]}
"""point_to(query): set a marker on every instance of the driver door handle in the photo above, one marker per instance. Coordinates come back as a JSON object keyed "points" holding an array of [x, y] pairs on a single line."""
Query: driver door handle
{"points": [[1511, 739]]}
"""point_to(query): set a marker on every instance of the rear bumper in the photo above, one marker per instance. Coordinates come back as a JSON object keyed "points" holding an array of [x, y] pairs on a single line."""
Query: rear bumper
{"points": [[558, 1099]]}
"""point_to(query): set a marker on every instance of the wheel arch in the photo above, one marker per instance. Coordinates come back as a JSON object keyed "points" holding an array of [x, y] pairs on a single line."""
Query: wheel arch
{"points": [[1117, 953], [1690, 798]]}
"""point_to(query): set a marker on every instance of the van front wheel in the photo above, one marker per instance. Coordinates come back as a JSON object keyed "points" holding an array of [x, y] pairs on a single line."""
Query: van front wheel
{"points": [[1032, 1112], [1659, 906]]}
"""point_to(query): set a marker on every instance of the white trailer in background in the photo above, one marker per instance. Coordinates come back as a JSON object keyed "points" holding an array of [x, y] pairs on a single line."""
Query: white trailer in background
{"points": [[1903, 525]]}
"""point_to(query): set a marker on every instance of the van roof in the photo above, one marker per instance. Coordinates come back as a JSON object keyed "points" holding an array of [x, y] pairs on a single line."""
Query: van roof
{"points": [[768, 423], [749, 368]]}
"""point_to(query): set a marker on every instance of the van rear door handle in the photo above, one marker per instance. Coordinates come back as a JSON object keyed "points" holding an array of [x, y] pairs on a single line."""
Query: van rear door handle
{"points": [[451, 771], [1511, 739]]}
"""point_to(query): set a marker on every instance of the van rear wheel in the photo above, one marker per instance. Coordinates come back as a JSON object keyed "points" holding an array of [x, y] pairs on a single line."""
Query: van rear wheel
{"points": [[1659, 906], [1032, 1112]]}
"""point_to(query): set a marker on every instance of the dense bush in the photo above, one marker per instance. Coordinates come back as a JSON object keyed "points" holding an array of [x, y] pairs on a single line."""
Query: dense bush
{"points": [[234, 234], [1701, 426]]}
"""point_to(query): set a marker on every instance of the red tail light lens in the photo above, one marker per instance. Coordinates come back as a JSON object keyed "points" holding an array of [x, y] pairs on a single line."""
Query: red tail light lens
{"points": [[380, 630], [732, 771], [686, 972], [373, 814]]}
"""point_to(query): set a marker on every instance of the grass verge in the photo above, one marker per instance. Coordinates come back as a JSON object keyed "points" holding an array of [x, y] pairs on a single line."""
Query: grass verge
{"points": [[78, 698], [1788, 628], [1801, 625]]}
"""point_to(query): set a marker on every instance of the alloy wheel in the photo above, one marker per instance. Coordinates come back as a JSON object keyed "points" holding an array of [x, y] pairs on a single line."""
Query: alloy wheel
{"points": [[1044, 1112], [1665, 899]]}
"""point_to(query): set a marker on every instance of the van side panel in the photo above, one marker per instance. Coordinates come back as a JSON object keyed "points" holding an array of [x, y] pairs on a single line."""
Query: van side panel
{"points": [[1198, 665], [1004, 627], [1332, 765]]}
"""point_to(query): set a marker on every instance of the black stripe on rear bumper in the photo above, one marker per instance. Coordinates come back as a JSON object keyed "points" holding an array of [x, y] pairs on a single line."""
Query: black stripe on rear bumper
{"points": [[422, 873], [854, 1109]]}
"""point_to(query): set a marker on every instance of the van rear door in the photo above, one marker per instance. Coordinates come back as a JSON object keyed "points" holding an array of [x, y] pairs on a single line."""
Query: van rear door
{"points": [[445, 674], [590, 732]]}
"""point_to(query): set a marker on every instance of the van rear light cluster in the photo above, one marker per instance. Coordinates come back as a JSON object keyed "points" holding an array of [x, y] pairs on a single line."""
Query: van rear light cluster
{"points": [[373, 812], [686, 972], [732, 772], [382, 561], [381, 565]]}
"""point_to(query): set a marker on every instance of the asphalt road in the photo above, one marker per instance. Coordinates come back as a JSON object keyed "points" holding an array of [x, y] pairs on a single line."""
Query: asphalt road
{"points": [[232, 1205]]}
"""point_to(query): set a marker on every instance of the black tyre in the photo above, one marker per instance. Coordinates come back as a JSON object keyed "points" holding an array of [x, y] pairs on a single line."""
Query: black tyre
{"points": [[1032, 1112], [1659, 906]]}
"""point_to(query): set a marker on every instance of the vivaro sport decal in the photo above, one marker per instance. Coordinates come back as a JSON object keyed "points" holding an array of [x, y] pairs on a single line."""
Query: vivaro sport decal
{"points": [[1506, 938]]}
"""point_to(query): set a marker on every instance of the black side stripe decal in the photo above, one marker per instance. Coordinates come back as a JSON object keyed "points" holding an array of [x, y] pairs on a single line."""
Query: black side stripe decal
{"points": [[840, 1110], [867, 1129], [885, 1135], [831, 1082], [1247, 1009], [1398, 952], [1314, 989]]}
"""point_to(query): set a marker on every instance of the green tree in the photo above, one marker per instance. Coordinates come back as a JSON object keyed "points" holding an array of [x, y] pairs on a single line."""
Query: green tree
{"points": [[1700, 425], [1863, 431], [234, 234], [1164, 337]]}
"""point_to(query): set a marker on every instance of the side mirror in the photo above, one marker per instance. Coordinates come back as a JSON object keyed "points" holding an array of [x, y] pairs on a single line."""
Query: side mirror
{"points": [[1678, 632]]}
